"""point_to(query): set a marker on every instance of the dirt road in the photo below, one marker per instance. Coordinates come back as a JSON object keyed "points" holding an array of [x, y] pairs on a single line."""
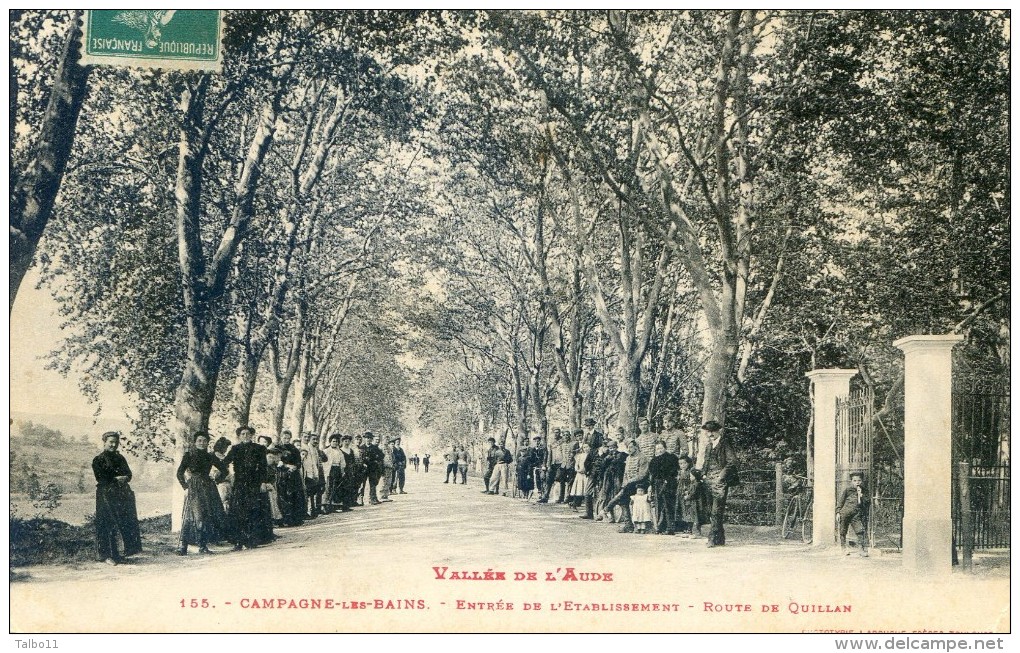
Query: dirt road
{"points": [[392, 568]]}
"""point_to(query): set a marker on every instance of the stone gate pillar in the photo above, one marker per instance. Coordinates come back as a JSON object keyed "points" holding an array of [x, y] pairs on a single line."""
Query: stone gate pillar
{"points": [[927, 452], [828, 385]]}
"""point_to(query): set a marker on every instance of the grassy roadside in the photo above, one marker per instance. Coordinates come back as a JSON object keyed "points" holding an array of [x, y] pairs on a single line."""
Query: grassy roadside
{"points": [[53, 542]]}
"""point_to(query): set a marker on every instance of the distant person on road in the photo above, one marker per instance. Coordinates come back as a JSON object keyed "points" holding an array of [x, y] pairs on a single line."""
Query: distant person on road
{"points": [[553, 464], [374, 464], [501, 473], [360, 449], [852, 511], [425, 463], [463, 459], [386, 481], [540, 468], [493, 456], [315, 476], [399, 467], [582, 469], [115, 503], [204, 518], [451, 463], [525, 466]]}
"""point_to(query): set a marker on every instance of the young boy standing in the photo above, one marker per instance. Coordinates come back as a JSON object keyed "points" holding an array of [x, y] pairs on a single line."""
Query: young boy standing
{"points": [[852, 510]]}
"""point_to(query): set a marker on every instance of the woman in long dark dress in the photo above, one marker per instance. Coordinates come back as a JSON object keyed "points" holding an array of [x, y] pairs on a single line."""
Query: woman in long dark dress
{"points": [[115, 503], [204, 517], [249, 465]]}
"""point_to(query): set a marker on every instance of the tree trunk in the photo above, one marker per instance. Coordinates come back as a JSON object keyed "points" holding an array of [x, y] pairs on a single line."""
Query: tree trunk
{"points": [[301, 395], [718, 372], [244, 385], [35, 191], [630, 387], [194, 397]]}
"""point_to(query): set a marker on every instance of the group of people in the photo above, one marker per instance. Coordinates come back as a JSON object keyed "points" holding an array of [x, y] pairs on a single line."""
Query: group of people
{"points": [[667, 483], [239, 492]]}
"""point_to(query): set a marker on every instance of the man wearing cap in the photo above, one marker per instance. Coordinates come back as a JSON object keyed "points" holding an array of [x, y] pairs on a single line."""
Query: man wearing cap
{"points": [[374, 465], [463, 460], [567, 471], [554, 461], [635, 470], [501, 473], [645, 437], [592, 437], [315, 477], [386, 482], [290, 482], [361, 469], [399, 467], [673, 436], [718, 463], [493, 456], [540, 456], [525, 465], [612, 478]]}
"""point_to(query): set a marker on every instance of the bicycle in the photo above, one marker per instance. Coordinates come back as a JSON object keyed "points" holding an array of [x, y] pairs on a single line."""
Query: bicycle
{"points": [[799, 515]]}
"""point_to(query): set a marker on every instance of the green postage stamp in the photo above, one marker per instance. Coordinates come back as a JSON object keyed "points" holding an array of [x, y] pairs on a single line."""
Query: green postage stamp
{"points": [[188, 39]]}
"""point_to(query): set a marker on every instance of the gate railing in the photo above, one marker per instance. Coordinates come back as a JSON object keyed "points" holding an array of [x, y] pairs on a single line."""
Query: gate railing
{"points": [[854, 439], [981, 499]]}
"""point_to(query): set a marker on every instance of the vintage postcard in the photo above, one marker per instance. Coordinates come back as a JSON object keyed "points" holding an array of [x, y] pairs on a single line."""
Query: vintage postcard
{"points": [[486, 321]]}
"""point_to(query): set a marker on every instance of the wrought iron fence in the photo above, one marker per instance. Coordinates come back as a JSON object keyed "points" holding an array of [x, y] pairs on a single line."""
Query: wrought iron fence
{"points": [[981, 442], [753, 502]]}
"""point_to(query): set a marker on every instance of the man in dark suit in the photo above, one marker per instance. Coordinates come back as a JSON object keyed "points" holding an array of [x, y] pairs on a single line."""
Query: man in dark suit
{"points": [[399, 467], [592, 437], [852, 510], [663, 469], [493, 457], [374, 462], [718, 463]]}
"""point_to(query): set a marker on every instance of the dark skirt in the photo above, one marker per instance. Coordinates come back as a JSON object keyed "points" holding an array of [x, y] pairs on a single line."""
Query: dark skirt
{"points": [[204, 517], [289, 484], [525, 479], [335, 486], [245, 516], [116, 513]]}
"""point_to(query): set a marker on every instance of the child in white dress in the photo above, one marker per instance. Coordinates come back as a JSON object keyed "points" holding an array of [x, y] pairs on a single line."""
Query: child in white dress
{"points": [[641, 510]]}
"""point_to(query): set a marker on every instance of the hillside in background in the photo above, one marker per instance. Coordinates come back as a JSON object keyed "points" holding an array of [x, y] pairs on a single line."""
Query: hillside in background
{"points": [[60, 449]]}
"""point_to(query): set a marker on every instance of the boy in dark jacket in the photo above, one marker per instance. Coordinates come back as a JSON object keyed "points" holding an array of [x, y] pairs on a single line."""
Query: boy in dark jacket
{"points": [[852, 510]]}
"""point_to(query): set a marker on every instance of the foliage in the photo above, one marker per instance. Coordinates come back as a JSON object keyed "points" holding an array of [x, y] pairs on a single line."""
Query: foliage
{"points": [[40, 434], [508, 220]]}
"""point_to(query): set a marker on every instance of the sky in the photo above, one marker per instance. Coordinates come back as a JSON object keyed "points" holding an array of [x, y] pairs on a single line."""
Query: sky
{"points": [[35, 331]]}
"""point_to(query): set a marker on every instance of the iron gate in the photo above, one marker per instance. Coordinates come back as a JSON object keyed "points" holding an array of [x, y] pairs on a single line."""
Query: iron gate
{"points": [[854, 439], [981, 463]]}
